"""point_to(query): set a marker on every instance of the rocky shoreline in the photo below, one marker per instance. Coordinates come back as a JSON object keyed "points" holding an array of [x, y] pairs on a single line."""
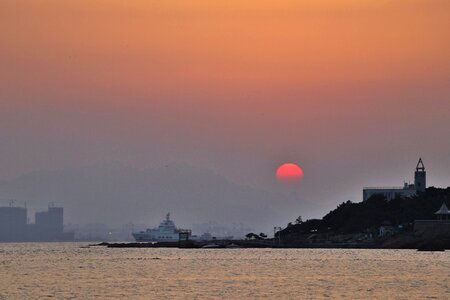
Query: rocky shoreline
{"points": [[406, 241]]}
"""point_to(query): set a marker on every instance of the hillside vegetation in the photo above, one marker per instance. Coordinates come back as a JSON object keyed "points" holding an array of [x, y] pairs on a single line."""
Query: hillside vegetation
{"points": [[351, 217]]}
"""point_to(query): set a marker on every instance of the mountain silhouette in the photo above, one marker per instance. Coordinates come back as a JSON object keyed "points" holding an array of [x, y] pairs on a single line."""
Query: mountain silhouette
{"points": [[115, 194]]}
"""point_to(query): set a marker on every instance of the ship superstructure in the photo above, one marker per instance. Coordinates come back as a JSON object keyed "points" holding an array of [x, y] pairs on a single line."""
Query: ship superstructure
{"points": [[165, 232]]}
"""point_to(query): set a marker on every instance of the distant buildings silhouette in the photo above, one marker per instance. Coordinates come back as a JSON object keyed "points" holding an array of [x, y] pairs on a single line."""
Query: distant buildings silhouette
{"points": [[408, 190], [48, 226]]}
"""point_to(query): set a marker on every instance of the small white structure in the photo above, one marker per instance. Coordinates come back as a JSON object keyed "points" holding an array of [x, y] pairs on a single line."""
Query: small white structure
{"points": [[439, 227], [443, 213], [407, 190]]}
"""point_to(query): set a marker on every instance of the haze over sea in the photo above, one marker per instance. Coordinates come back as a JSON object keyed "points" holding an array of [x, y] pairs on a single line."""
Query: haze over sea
{"points": [[69, 270]]}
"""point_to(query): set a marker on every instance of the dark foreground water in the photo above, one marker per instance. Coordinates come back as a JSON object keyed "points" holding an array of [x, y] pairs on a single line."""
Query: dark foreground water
{"points": [[69, 271]]}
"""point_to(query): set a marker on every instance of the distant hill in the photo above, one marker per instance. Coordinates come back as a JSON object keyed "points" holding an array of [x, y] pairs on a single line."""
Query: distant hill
{"points": [[349, 217], [115, 194]]}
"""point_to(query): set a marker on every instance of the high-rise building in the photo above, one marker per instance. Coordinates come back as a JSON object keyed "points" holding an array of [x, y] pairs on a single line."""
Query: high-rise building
{"points": [[49, 225], [51, 220], [13, 223]]}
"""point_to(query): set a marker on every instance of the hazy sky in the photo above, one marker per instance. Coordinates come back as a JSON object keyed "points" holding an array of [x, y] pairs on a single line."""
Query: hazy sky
{"points": [[353, 91]]}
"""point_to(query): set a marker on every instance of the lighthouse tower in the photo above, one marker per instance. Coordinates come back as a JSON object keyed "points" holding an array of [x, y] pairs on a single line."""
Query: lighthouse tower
{"points": [[420, 177]]}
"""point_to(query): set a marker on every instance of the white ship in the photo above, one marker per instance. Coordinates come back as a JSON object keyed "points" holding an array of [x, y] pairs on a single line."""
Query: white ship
{"points": [[166, 232]]}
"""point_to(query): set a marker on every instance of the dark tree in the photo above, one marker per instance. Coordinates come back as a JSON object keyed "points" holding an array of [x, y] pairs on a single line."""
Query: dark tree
{"points": [[252, 235], [349, 217]]}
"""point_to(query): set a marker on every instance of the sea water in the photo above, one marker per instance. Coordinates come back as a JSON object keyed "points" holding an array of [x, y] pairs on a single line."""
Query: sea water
{"points": [[71, 270]]}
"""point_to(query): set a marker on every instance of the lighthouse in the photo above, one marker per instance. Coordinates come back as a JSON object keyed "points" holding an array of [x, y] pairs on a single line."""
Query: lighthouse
{"points": [[420, 177], [408, 190]]}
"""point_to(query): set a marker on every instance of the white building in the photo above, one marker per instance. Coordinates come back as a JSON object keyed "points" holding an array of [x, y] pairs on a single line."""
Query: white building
{"points": [[407, 190]]}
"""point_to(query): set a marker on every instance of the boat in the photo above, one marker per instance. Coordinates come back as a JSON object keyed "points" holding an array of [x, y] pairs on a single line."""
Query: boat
{"points": [[165, 232]]}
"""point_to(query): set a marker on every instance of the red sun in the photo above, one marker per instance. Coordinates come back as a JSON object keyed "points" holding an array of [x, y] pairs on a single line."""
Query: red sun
{"points": [[289, 173]]}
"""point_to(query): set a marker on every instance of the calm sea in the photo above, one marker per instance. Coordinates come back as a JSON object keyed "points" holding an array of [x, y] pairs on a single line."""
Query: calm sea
{"points": [[71, 271]]}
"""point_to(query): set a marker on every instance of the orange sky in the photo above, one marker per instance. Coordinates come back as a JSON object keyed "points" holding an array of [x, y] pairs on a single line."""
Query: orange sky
{"points": [[202, 45], [236, 86]]}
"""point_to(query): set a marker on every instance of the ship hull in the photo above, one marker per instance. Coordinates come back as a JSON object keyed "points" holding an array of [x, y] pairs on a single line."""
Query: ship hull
{"points": [[145, 237]]}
